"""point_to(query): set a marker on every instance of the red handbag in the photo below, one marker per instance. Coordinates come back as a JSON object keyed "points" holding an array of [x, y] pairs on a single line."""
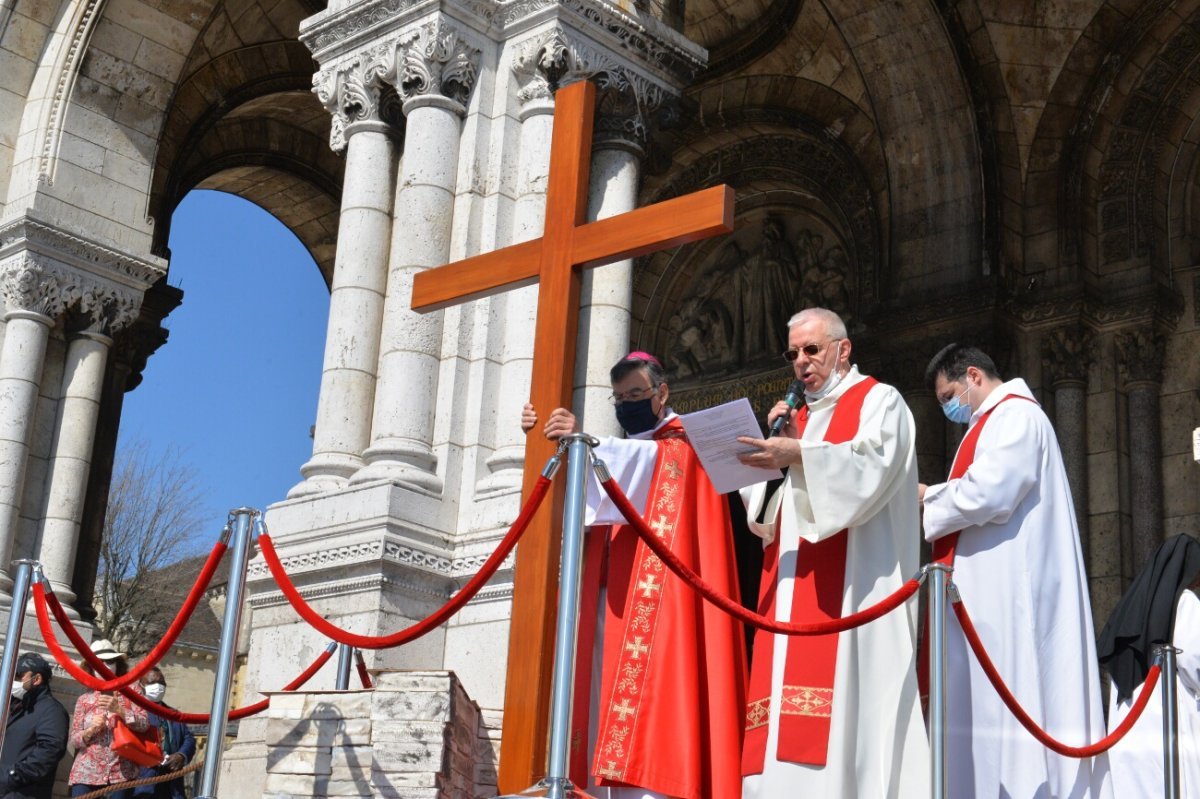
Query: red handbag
{"points": [[137, 747]]}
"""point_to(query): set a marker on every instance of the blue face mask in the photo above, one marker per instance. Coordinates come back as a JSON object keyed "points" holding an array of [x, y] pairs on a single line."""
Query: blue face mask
{"points": [[956, 411], [637, 417]]}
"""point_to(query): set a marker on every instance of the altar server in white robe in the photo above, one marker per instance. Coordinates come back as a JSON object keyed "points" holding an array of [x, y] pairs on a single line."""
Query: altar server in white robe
{"points": [[1019, 569], [1160, 605], [836, 715]]}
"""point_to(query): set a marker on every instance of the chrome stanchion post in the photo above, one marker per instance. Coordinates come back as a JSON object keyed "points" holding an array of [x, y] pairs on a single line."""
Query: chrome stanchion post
{"points": [[345, 658], [556, 785], [242, 519], [12, 638], [939, 575], [1165, 655]]}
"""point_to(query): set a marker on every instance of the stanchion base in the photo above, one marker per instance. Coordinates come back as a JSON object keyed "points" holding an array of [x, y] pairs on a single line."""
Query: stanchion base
{"points": [[569, 791]]}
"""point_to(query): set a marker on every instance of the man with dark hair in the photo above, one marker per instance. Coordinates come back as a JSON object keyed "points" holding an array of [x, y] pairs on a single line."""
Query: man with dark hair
{"points": [[36, 737], [666, 710], [1005, 522]]}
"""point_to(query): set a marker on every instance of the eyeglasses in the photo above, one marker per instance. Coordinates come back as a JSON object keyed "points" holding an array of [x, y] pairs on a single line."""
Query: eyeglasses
{"points": [[632, 395], [811, 350]]}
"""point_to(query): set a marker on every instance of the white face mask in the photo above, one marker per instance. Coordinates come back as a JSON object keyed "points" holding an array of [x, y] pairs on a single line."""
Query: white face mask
{"points": [[155, 691], [18, 689]]}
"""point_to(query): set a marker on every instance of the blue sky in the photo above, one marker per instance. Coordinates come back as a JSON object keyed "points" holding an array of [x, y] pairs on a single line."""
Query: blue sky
{"points": [[234, 389]]}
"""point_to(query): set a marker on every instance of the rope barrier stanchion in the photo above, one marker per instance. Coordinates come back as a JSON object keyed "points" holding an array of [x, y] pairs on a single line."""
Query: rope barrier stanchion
{"points": [[1014, 707], [732, 606], [363, 675], [43, 595], [439, 617], [242, 519], [938, 581], [12, 640], [342, 682], [1165, 657], [556, 784]]}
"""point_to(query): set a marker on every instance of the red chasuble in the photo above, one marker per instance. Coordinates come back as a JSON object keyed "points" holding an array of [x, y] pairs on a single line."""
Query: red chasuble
{"points": [[672, 686], [817, 593]]}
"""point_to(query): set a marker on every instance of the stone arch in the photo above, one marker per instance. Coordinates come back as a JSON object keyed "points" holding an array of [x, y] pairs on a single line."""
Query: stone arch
{"points": [[252, 108]]}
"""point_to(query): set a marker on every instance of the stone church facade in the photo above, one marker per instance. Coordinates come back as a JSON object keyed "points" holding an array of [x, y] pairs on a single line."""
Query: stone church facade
{"points": [[1016, 173]]}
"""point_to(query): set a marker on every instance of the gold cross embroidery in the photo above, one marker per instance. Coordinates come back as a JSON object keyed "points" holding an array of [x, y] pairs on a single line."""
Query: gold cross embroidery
{"points": [[672, 468], [610, 771], [648, 586], [636, 649], [624, 710], [661, 527]]}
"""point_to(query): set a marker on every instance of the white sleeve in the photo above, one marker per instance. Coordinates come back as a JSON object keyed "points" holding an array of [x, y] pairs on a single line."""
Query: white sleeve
{"points": [[1008, 459], [631, 463], [844, 485]]}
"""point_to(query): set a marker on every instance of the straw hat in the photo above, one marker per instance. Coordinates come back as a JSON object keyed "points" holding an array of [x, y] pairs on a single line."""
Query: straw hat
{"points": [[105, 650]]}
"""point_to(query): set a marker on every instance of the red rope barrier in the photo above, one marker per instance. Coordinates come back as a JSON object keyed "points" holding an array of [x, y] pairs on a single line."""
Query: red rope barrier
{"points": [[237, 713], [734, 608], [452, 606], [51, 602], [1028, 723], [363, 675], [155, 655]]}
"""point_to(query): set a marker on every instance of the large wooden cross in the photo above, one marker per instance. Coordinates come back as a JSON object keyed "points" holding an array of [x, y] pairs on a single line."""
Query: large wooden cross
{"points": [[567, 246]]}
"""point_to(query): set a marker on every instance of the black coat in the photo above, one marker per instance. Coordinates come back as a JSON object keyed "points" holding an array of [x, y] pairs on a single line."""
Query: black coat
{"points": [[35, 741]]}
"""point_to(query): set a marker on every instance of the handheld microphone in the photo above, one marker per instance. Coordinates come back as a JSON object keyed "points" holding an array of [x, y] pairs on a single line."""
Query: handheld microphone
{"points": [[795, 392]]}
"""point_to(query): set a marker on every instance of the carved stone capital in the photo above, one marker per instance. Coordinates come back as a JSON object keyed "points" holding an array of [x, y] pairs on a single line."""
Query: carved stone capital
{"points": [[27, 286], [440, 62], [357, 95], [1066, 354], [1140, 355], [50, 271], [626, 102]]}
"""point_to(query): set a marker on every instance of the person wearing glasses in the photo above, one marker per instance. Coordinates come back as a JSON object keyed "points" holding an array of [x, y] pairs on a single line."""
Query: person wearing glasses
{"points": [[1018, 565], [839, 714], [660, 677]]}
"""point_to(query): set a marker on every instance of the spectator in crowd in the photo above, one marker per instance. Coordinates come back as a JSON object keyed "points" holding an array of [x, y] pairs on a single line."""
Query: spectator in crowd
{"points": [[96, 764], [178, 743], [36, 736]]}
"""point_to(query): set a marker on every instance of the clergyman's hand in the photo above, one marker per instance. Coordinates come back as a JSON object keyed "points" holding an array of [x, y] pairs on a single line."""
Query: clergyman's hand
{"points": [[921, 488], [780, 409], [561, 423], [770, 453], [528, 417]]}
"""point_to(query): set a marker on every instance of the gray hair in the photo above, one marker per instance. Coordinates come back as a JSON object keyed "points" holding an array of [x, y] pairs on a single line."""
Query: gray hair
{"points": [[834, 325]]}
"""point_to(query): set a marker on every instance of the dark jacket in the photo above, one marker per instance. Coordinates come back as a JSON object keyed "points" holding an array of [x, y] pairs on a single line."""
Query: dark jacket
{"points": [[174, 737], [36, 739]]}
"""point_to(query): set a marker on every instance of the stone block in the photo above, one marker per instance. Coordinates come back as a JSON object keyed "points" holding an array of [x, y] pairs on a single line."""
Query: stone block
{"points": [[402, 754], [318, 732], [340, 705], [289, 786], [418, 706], [309, 760], [351, 758]]}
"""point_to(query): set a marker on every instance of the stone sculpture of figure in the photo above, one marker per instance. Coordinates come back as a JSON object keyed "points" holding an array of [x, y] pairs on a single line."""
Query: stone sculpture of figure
{"points": [[765, 294], [834, 269]]}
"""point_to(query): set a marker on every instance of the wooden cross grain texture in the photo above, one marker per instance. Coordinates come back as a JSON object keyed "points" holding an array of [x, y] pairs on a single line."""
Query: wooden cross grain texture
{"points": [[555, 261]]}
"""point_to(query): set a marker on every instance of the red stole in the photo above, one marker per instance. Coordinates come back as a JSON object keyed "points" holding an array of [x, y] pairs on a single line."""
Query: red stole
{"points": [[817, 593], [674, 669], [943, 548]]}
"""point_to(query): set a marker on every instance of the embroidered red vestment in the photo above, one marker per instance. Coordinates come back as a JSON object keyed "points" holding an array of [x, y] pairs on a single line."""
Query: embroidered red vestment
{"points": [[672, 683]]}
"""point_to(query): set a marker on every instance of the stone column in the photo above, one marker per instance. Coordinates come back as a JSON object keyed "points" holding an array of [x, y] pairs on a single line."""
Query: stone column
{"points": [[435, 81], [1140, 359], [367, 116], [33, 301], [606, 299], [74, 439], [1065, 358], [512, 314]]}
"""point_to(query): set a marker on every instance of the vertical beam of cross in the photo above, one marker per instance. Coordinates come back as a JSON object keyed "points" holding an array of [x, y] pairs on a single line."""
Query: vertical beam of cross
{"points": [[556, 260]]}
